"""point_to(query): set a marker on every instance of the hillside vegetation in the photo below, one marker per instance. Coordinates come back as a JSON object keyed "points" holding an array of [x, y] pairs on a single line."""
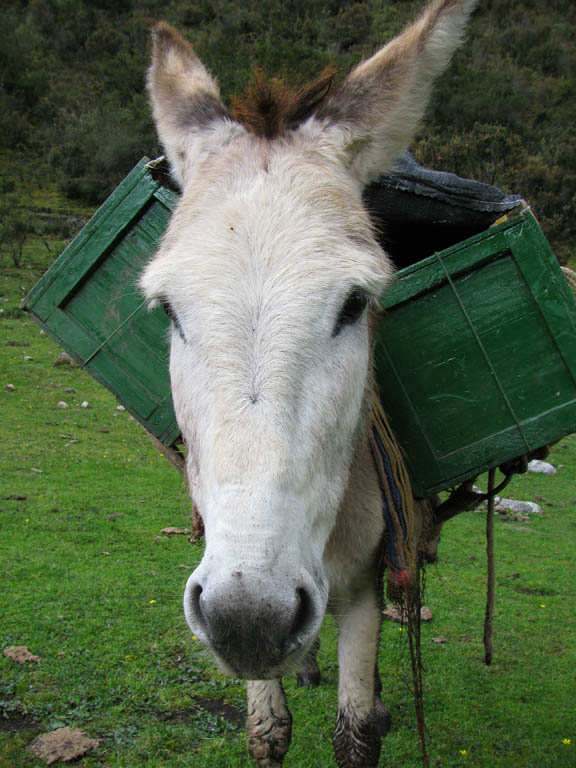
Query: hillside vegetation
{"points": [[72, 91]]}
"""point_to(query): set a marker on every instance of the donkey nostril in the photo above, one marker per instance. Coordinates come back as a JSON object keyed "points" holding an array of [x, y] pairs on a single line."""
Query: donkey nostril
{"points": [[196, 603], [304, 612]]}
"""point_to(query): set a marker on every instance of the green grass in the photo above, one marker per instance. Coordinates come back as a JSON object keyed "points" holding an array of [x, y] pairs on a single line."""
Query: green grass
{"points": [[126, 669]]}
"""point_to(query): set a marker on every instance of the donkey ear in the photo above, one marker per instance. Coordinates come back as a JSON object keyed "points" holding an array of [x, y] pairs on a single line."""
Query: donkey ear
{"points": [[374, 114], [185, 100]]}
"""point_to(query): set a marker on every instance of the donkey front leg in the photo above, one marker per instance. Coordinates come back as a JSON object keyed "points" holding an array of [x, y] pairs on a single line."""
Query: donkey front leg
{"points": [[269, 722], [362, 720]]}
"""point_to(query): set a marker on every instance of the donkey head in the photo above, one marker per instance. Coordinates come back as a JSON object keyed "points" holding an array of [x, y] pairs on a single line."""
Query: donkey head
{"points": [[266, 270]]}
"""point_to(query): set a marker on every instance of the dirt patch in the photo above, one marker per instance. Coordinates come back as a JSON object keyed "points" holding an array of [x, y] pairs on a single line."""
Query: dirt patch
{"points": [[221, 708], [214, 707], [20, 654], [64, 744], [539, 591], [15, 721]]}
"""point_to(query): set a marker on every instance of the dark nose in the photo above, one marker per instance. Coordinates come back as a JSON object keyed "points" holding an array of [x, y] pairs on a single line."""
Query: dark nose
{"points": [[253, 627]]}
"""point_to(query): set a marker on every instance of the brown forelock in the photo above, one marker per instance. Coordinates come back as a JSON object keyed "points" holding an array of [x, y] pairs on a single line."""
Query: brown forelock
{"points": [[270, 107]]}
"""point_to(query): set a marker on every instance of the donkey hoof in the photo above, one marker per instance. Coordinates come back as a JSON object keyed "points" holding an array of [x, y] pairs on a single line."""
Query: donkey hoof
{"points": [[308, 679], [382, 718]]}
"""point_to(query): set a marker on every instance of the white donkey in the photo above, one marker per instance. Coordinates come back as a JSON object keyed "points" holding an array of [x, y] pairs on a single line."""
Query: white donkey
{"points": [[267, 269]]}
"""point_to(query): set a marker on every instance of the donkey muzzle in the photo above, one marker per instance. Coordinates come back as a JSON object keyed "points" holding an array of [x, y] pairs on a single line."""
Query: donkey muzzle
{"points": [[257, 624]]}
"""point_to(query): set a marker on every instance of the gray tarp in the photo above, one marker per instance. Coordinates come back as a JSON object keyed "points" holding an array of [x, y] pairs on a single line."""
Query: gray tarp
{"points": [[419, 211]]}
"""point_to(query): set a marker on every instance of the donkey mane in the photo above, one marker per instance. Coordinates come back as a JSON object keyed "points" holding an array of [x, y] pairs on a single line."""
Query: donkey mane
{"points": [[270, 107]]}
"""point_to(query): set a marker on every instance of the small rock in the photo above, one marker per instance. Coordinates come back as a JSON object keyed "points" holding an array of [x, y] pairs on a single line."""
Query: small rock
{"points": [[10, 388], [395, 613], [84, 404], [425, 614], [35, 469], [392, 613], [63, 358], [543, 467], [524, 507], [120, 408], [62, 405], [28, 357]]}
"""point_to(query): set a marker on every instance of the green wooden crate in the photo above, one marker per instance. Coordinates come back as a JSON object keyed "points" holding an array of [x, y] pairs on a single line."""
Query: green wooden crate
{"points": [[475, 359], [90, 303], [476, 356]]}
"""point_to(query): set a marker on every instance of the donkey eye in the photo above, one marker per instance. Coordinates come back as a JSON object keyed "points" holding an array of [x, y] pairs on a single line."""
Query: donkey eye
{"points": [[169, 312], [168, 309], [353, 308]]}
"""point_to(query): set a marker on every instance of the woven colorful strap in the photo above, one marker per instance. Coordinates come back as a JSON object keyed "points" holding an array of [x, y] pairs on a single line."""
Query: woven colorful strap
{"points": [[398, 508]]}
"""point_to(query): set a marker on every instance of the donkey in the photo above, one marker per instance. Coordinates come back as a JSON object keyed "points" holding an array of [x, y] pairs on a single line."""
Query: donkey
{"points": [[268, 271]]}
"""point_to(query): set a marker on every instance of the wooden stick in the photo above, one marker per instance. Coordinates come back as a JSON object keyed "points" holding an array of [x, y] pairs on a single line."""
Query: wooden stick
{"points": [[490, 580]]}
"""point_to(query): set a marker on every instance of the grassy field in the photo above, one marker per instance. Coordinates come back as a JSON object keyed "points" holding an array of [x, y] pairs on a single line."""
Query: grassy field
{"points": [[91, 585]]}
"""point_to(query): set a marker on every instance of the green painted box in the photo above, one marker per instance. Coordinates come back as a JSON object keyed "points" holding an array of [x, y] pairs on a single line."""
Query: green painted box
{"points": [[475, 358], [476, 355], [89, 301]]}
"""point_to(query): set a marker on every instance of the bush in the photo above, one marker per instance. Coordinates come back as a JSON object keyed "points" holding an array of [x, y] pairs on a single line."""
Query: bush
{"points": [[15, 228], [486, 152], [100, 149]]}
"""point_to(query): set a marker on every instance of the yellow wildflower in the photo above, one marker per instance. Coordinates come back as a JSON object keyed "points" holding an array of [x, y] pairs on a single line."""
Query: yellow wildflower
{"points": [[566, 741]]}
